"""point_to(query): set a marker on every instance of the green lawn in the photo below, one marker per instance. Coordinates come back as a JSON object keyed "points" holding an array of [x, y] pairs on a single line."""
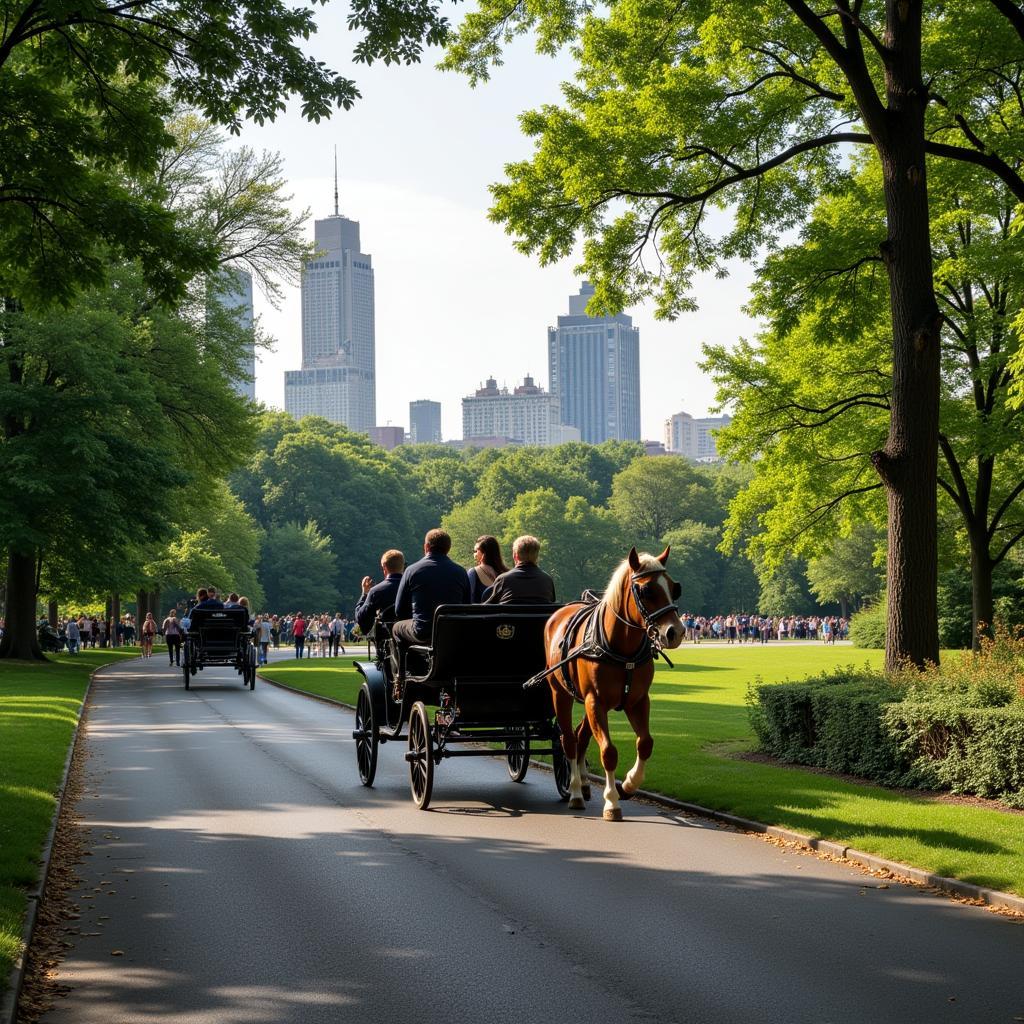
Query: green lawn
{"points": [[699, 717], [38, 711]]}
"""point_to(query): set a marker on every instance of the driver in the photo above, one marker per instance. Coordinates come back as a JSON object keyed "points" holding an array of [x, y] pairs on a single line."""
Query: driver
{"points": [[432, 581], [381, 597]]}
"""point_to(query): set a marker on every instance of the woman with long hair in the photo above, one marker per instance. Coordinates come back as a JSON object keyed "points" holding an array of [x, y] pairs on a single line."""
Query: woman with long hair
{"points": [[489, 566], [148, 633]]}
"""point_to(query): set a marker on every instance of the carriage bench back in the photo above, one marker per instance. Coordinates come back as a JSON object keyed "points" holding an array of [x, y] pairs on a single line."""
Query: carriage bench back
{"points": [[488, 651], [218, 629]]}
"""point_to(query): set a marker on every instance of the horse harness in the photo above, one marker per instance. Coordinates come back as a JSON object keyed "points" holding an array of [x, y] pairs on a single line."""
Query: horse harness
{"points": [[595, 647]]}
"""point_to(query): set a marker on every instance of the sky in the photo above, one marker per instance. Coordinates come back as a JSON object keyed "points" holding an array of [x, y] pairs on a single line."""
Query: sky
{"points": [[455, 302]]}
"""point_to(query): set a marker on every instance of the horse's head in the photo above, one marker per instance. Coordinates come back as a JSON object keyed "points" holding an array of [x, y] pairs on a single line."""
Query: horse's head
{"points": [[655, 594]]}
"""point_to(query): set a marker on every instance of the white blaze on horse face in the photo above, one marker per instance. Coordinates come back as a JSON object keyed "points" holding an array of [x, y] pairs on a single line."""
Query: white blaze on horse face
{"points": [[670, 626]]}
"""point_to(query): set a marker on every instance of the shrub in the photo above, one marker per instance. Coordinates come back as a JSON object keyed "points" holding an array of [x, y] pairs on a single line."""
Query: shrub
{"points": [[832, 721], [867, 627]]}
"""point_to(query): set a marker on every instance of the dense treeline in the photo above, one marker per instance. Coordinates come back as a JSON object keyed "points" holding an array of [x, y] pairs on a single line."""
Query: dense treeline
{"points": [[328, 502]]}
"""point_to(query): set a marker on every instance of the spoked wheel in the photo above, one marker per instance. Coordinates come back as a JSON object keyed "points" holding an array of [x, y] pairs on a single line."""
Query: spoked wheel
{"points": [[561, 768], [365, 735], [420, 756], [517, 754], [251, 657], [184, 669]]}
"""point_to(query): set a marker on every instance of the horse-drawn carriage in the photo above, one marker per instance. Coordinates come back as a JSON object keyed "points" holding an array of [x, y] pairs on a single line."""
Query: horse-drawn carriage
{"points": [[461, 695], [219, 636]]}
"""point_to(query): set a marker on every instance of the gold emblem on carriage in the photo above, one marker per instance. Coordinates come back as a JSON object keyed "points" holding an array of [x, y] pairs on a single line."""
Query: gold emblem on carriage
{"points": [[505, 631]]}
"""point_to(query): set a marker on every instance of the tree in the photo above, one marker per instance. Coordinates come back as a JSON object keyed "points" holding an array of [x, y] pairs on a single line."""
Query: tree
{"points": [[655, 494], [85, 90], [470, 520], [712, 582], [811, 395], [680, 109], [847, 574], [298, 569]]}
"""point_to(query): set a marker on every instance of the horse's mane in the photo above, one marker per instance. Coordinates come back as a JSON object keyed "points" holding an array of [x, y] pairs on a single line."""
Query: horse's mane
{"points": [[618, 580]]}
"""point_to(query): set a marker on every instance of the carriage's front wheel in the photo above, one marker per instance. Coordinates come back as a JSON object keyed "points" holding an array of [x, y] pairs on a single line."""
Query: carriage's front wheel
{"points": [[517, 754], [420, 756], [366, 737], [562, 771]]}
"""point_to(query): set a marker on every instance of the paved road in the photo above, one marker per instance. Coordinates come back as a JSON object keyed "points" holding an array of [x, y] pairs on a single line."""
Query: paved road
{"points": [[247, 876]]}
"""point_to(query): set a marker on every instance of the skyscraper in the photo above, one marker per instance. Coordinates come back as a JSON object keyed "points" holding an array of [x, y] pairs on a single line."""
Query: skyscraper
{"points": [[594, 368], [425, 422], [694, 438], [528, 414], [338, 375]]}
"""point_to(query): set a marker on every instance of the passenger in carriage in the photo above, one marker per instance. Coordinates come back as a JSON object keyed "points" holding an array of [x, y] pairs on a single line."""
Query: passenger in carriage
{"points": [[432, 581], [232, 601], [527, 583], [489, 566], [382, 596], [204, 600]]}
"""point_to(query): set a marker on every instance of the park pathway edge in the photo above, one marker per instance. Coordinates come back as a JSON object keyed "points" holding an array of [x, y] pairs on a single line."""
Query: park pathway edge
{"points": [[827, 848], [16, 977]]}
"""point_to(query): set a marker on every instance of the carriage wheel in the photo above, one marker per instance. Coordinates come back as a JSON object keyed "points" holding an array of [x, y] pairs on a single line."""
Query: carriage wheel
{"points": [[251, 656], [184, 669], [561, 768], [421, 759], [517, 754], [365, 735]]}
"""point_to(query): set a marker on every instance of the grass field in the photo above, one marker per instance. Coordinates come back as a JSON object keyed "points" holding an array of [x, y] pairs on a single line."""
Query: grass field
{"points": [[38, 712], [699, 721]]}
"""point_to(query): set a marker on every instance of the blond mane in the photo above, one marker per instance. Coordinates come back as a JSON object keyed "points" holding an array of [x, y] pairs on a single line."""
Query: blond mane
{"points": [[618, 580]]}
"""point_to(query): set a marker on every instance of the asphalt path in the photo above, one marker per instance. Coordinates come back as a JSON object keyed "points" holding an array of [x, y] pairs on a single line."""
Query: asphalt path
{"points": [[241, 873]]}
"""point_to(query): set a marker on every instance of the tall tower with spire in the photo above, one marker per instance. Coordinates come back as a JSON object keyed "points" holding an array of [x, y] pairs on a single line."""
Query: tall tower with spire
{"points": [[338, 375]]}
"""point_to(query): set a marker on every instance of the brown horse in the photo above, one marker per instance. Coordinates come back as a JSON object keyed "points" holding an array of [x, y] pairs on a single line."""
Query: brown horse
{"points": [[602, 655]]}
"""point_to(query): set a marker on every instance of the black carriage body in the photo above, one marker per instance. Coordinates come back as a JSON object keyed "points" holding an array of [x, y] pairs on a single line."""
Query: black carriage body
{"points": [[472, 672], [219, 636]]}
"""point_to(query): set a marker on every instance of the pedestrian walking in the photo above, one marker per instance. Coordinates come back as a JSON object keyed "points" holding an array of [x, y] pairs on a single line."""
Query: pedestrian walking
{"points": [[173, 635], [148, 634], [71, 631], [299, 634]]}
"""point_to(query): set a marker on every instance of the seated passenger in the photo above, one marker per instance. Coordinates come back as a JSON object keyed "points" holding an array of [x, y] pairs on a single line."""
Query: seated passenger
{"points": [[382, 596], [203, 600], [527, 583], [489, 566], [432, 581], [232, 601]]}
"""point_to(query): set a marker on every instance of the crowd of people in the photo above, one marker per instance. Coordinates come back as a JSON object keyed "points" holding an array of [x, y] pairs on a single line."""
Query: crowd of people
{"points": [[78, 632], [744, 628]]}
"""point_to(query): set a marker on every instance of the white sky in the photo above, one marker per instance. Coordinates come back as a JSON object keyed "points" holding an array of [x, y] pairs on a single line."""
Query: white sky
{"points": [[455, 302]]}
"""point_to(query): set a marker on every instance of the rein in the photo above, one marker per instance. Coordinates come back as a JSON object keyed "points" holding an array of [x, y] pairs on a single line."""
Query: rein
{"points": [[595, 646]]}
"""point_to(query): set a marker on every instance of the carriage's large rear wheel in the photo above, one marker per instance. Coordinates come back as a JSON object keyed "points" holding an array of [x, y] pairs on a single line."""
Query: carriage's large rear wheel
{"points": [[185, 667], [252, 658], [517, 754], [561, 768], [420, 756], [366, 737]]}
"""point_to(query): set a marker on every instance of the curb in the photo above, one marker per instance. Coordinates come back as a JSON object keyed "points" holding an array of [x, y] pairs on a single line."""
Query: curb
{"points": [[11, 995], [993, 898]]}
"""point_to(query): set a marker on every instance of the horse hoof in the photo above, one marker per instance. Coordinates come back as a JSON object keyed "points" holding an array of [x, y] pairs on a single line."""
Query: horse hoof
{"points": [[613, 814], [586, 792], [577, 804], [624, 794]]}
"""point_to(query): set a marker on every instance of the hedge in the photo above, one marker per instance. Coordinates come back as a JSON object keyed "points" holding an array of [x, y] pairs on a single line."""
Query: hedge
{"points": [[833, 721], [953, 744]]}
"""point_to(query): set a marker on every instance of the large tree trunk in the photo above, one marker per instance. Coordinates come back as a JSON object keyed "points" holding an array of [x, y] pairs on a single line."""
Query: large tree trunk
{"points": [[20, 639], [982, 605], [908, 465]]}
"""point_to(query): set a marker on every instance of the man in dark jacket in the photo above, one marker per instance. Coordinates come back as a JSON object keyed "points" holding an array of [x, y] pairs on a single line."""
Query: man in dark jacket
{"points": [[432, 581], [381, 597], [527, 583]]}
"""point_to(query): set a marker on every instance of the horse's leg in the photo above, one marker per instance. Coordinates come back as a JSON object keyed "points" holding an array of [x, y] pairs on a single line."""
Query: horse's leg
{"points": [[582, 743], [563, 712], [598, 718], [639, 716]]}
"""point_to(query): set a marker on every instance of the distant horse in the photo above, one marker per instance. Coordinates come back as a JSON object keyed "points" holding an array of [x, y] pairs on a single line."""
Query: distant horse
{"points": [[601, 654]]}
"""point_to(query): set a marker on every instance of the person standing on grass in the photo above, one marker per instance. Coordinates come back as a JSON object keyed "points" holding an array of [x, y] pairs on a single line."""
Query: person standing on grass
{"points": [[299, 634], [173, 635], [73, 635]]}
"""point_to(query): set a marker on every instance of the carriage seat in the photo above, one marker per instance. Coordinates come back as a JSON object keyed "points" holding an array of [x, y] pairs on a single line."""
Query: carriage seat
{"points": [[481, 643]]}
